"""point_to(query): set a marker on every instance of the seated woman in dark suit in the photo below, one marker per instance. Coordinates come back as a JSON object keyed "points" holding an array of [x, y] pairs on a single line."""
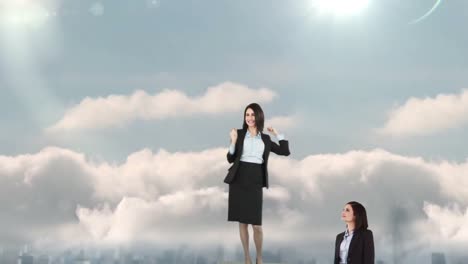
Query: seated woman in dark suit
{"points": [[356, 244]]}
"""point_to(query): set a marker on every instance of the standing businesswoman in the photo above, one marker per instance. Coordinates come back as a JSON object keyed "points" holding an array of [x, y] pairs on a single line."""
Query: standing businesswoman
{"points": [[249, 151], [356, 244]]}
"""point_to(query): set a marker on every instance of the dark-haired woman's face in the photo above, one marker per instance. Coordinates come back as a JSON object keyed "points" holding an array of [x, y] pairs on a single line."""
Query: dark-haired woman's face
{"points": [[347, 215], [250, 118]]}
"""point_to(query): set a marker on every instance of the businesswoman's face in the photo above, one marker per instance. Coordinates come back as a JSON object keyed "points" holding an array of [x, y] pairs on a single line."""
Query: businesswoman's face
{"points": [[347, 215], [250, 118]]}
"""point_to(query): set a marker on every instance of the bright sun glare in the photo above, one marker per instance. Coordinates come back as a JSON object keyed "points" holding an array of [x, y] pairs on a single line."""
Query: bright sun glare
{"points": [[340, 7], [20, 13]]}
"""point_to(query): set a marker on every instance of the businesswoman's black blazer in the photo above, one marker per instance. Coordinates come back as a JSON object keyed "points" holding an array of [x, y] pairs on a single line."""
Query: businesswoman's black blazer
{"points": [[281, 149], [361, 248]]}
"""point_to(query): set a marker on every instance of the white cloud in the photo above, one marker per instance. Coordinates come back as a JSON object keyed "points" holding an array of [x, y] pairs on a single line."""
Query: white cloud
{"points": [[444, 229], [170, 216], [170, 198], [449, 222], [117, 110], [427, 116], [278, 193]]}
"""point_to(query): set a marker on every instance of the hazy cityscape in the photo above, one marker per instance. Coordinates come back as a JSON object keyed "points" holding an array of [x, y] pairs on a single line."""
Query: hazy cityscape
{"points": [[182, 255]]}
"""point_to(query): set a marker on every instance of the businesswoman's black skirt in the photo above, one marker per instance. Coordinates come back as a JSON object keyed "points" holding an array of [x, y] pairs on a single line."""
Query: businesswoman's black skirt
{"points": [[246, 194]]}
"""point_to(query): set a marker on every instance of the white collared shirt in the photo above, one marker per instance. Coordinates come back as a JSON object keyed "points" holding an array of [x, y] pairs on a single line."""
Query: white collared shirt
{"points": [[253, 148], [344, 247]]}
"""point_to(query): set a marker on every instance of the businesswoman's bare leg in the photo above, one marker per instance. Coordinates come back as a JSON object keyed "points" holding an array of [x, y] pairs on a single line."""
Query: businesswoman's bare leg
{"points": [[244, 236], [258, 239]]}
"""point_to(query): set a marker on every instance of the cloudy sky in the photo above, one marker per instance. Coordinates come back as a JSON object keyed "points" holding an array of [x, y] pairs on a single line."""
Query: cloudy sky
{"points": [[116, 118]]}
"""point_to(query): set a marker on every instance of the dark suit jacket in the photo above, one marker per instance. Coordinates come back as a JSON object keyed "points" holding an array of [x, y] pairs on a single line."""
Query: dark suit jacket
{"points": [[270, 146], [361, 248]]}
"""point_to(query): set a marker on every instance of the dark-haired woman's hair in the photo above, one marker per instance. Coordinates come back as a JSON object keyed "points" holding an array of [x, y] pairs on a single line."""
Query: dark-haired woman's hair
{"points": [[360, 215], [259, 116]]}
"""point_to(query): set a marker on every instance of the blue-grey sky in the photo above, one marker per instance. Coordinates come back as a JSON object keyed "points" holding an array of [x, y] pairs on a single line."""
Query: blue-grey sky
{"points": [[341, 73], [335, 85]]}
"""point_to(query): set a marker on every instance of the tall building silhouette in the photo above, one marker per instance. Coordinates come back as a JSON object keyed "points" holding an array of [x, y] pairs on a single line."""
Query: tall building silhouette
{"points": [[81, 259], [25, 259], [43, 259], [438, 258]]}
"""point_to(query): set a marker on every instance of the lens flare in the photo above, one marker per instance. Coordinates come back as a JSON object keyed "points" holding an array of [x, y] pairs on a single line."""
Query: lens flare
{"points": [[428, 13]]}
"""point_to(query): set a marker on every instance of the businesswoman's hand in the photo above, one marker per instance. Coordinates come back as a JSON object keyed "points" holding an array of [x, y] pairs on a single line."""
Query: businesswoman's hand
{"points": [[272, 130], [233, 135]]}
